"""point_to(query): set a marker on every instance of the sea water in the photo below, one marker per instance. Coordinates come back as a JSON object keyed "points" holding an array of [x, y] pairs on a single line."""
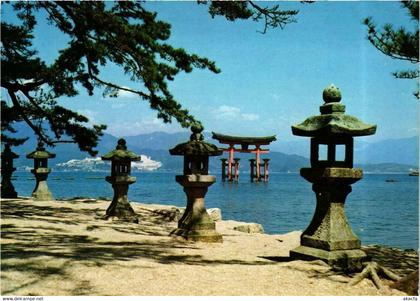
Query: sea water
{"points": [[378, 211]]}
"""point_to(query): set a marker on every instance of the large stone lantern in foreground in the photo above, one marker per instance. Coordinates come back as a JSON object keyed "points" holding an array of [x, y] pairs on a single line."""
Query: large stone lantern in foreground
{"points": [[120, 178], [196, 224], [41, 171], [329, 236], [7, 169]]}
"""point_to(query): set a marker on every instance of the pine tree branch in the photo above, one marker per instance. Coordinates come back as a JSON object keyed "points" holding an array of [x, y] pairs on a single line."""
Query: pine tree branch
{"points": [[21, 112], [386, 42], [273, 17], [406, 74], [62, 141], [259, 9], [43, 112], [115, 86], [391, 51]]}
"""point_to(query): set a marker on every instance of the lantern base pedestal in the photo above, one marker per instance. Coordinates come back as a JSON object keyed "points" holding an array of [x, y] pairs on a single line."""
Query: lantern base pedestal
{"points": [[198, 235], [8, 194], [8, 190], [120, 209], [196, 224], [329, 236], [350, 260], [41, 191]]}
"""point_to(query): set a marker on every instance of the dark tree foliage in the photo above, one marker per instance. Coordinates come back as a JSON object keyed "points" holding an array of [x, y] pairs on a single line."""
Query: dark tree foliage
{"points": [[100, 33], [398, 43], [273, 16]]}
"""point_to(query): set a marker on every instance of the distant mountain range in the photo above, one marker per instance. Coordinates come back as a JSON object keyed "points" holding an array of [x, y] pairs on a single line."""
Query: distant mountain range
{"points": [[401, 151], [392, 155]]}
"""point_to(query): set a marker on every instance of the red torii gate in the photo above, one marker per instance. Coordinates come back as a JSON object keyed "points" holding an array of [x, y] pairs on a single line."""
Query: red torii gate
{"points": [[244, 143]]}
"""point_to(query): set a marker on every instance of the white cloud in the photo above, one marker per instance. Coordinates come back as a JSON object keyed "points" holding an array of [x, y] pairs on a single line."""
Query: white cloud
{"points": [[250, 117], [126, 94], [225, 111], [147, 125]]}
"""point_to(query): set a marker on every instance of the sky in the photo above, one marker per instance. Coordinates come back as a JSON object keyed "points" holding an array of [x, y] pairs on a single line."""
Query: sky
{"points": [[268, 82]]}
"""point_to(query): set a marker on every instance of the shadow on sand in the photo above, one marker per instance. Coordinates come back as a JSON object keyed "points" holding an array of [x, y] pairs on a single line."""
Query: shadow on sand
{"points": [[28, 249]]}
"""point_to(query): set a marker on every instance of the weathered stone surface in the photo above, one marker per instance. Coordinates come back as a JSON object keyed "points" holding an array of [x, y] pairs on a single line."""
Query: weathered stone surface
{"points": [[329, 236], [250, 228], [215, 214], [331, 94], [121, 153], [349, 260], [332, 175], [196, 224], [333, 121], [40, 153], [7, 169], [121, 158], [196, 146], [120, 209], [41, 171], [41, 191], [7, 189], [333, 124], [329, 229]]}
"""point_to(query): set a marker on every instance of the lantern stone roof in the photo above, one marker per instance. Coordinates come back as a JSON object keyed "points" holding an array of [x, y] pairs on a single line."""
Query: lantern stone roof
{"points": [[120, 153], [7, 153], [196, 146], [243, 140], [332, 121], [40, 153]]}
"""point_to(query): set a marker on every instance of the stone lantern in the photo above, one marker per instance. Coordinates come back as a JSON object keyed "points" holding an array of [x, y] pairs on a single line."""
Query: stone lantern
{"points": [[120, 178], [196, 224], [7, 169], [41, 171], [329, 236]]}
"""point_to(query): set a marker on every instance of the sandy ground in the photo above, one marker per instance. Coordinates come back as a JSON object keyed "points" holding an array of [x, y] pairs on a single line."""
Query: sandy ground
{"points": [[65, 248]]}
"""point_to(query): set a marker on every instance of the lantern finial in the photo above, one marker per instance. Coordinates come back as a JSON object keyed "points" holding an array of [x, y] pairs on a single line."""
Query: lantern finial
{"points": [[333, 121], [122, 144], [331, 94], [40, 146], [197, 130]]}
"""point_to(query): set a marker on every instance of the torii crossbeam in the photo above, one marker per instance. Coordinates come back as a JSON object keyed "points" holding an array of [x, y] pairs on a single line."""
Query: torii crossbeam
{"points": [[244, 143]]}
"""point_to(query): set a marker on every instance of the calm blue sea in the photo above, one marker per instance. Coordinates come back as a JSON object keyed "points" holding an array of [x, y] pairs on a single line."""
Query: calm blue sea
{"points": [[379, 212]]}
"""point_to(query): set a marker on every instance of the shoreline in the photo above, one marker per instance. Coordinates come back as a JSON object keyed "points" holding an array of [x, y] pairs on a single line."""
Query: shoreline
{"points": [[214, 172], [65, 248]]}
